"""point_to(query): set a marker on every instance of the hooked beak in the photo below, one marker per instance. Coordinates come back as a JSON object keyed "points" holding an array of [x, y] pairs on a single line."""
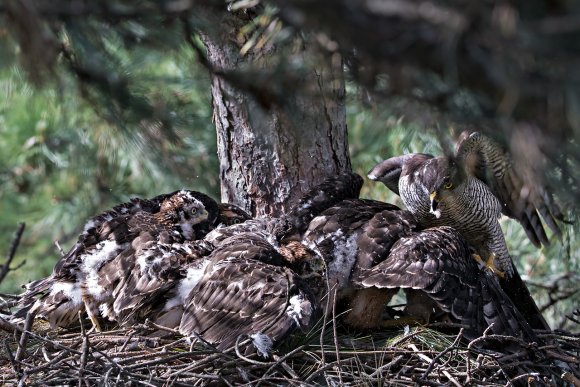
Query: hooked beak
{"points": [[434, 205]]}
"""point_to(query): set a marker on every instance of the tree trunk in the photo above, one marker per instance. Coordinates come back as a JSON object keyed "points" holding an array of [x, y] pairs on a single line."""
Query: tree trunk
{"points": [[272, 148]]}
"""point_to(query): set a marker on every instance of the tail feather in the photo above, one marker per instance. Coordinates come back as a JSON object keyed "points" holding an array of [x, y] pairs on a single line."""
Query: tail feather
{"points": [[518, 292]]}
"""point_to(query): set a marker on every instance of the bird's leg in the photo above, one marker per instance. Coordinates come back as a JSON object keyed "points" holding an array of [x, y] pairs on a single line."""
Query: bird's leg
{"points": [[367, 306], [489, 264], [92, 316]]}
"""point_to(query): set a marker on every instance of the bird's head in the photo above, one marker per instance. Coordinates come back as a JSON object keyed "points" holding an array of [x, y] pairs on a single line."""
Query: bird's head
{"points": [[303, 260], [441, 179], [230, 214], [184, 210]]}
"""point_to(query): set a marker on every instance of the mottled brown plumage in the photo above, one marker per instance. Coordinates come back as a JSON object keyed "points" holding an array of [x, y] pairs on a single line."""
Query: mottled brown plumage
{"points": [[246, 288], [437, 262], [77, 282], [372, 249], [337, 235], [231, 214], [145, 277], [160, 278]]}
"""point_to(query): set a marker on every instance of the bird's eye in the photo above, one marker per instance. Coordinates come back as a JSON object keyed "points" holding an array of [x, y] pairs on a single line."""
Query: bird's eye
{"points": [[194, 211], [448, 185]]}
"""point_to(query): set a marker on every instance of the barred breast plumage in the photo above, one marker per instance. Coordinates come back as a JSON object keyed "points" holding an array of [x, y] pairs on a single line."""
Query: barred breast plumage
{"points": [[469, 191]]}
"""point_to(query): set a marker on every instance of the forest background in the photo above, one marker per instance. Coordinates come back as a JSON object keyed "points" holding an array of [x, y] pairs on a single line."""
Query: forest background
{"points": [[66, 155]]}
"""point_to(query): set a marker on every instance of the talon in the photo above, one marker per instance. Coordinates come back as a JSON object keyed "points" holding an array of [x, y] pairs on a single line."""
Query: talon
{"points": [[477, 258], [489, 264], [92, 316], [96, 326]]}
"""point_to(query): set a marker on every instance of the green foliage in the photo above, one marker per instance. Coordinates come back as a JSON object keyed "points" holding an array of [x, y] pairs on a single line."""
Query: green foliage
{"points": [[63, 161]]}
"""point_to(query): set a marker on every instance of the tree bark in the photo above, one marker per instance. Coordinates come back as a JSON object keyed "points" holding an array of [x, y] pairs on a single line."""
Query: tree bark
{"points": [[272, 148]]}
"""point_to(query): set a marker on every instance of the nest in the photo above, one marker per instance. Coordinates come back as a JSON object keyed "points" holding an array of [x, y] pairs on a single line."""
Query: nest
{"points": [[324, 356]]}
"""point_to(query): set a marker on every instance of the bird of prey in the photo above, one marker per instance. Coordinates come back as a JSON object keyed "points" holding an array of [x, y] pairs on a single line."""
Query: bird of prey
{"points": [[435, 268], [246, 287], [146, 278], [252, 278], [242, 281], [76, 282], [372, 249], [259, 280], [229, 214], [469, 191], [335, 235]]}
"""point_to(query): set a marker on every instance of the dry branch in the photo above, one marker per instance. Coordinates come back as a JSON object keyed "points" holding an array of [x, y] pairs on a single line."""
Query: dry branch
{"points": [[5, 268], [130, 355]]}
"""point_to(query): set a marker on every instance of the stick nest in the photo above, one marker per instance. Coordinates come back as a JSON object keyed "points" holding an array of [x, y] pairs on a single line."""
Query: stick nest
{"points": [[401, 357]]}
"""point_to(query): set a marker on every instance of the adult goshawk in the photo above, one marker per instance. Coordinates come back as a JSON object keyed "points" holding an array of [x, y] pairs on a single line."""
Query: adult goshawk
{"points": [[469, 191]]}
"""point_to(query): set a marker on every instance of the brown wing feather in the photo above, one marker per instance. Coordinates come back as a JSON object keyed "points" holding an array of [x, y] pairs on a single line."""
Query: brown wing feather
{"points": [[323, 196], [243, 297], [149, 277], [245, 291], [486, 160], [438, 262], [380, 233]]}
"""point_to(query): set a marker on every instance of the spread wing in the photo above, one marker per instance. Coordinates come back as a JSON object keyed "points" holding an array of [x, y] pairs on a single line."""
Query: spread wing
{"points": [[343, 219], [481, 157], [438, 262], [381, 233]]}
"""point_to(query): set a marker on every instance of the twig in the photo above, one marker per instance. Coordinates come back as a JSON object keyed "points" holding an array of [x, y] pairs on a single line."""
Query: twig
{"points": [[59, 248], [108, 360], [405, 337], [320, 371], [325, 317], [565, 294], [442, 353], [427, 358], [281, 361], [126, 341], [527, 376], [31, 334], [10, 355], [61, 357], [335, 336], [24, 337], [425, 382], [567, 376], [500, 338], [84, 351], [389, 365], [5, 268], [251, 361]]}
